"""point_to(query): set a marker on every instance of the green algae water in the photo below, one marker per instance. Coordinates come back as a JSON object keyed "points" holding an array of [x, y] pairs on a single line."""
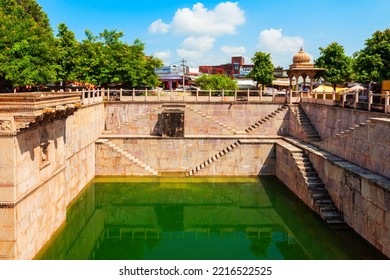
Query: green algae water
{"points": [[214, 218]]}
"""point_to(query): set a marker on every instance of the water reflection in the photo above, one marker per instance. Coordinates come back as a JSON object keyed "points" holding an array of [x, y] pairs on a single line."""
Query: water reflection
{"points": [[207, 218]]}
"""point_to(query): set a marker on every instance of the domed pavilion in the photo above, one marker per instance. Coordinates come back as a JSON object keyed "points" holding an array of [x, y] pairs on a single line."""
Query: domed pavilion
{"points": [[303, 67]]}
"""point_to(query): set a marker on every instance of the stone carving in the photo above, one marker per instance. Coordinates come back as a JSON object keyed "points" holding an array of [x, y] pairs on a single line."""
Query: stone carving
{"points": [[5, 125], [44, 147]]}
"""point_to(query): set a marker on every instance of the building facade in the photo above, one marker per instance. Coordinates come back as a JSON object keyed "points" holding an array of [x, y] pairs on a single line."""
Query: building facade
{"points": [[235, 69]]}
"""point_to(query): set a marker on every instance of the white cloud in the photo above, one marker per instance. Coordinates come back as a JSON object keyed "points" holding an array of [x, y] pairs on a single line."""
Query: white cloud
{"points": [[223, 19], [232, 51], [158, 26], [163, 55], [273, 40], [202, 26], [190, 55], [282, 48], [204, 43]]}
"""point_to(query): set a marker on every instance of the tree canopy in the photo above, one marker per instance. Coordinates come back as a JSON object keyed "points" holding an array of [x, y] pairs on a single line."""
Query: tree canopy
{"points": [[105, 60], [263, 69], [27, 46], [68, 57], [31, 55], [338, 65], [373, 62], [216, 82]]}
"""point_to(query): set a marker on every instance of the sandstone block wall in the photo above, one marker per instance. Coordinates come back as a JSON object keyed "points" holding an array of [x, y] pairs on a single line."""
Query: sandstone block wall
{"points": [[40, 183], [331, 120], [362, 196], [182, 155], [287, 171], [367, 146], [294, 128], [88, 228], [200, 118]]}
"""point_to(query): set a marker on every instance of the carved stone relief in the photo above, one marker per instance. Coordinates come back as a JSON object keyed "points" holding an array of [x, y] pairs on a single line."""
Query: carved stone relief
{"points": [[44, 147]]}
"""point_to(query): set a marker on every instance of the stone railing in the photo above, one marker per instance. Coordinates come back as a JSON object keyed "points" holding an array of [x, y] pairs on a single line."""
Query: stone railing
{"points": [[370, 102], [192, 96], [92, 96]]}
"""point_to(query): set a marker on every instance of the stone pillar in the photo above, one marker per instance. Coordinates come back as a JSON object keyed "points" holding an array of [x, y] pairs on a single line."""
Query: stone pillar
{"points": [[311, 84]]}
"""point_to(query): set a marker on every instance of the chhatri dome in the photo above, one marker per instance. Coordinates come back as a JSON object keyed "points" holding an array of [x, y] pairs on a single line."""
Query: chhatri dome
{"points": [[301, 57], [302, 67]]}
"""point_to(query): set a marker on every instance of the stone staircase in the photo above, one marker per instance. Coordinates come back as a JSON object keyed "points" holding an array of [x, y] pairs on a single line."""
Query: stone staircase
{"points": [[306, 126], [323, 203], [128, 156], [139, 117], [347, 132], [214, 158], [265, 119], [203, 115]]}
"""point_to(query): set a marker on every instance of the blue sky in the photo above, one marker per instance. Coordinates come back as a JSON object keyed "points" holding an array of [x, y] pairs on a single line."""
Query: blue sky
{"points": [[210, 32]]}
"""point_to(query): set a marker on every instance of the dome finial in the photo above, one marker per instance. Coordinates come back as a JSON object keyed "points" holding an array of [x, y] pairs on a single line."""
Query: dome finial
{"points": [[301, 57]]}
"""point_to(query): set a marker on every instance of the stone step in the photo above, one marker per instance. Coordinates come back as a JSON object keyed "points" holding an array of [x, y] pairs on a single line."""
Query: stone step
{"points": [[308, 173], [330, 215], [316, 184], [328, 209], [302, 164], [305, 168], [318, 191], [324, 202], [336, 221], [299, 159], [320, 196], [312, 179]]}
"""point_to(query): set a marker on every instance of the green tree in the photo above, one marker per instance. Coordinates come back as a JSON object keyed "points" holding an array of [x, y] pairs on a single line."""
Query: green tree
{"points": [[68, 48], [106, 60], [91, 66], [139, 68], [263, 69], [373, 62], [216, 82], [27, 46], [338, 65]]}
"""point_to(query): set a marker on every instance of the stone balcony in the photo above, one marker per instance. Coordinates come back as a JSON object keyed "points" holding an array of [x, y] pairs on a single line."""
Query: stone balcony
{"points": [[20, 111]]}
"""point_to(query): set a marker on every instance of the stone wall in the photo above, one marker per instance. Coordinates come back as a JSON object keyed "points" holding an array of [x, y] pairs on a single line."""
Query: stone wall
{"points": [[366, 145], [294, 128], [287, 171], [330, 120], [80, 231], [45, 168], [362, 196], [200, 118], [183, 155]]}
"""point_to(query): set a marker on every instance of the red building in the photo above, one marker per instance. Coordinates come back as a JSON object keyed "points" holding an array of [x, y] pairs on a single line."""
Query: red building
{"points": [[236, 69]]}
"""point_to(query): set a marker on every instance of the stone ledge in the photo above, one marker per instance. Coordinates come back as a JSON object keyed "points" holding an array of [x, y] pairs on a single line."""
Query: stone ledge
{"points": [[342, 163]]}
